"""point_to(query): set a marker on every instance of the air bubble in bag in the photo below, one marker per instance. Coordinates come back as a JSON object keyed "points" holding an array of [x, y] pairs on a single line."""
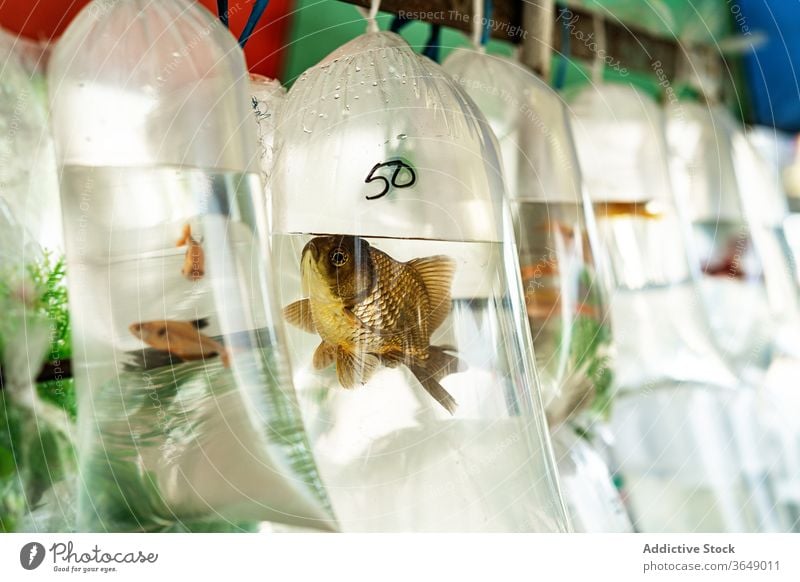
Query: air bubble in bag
{"points": [[187, 414], [686, 464], [564, 296], [400, 279], [736, 216]]}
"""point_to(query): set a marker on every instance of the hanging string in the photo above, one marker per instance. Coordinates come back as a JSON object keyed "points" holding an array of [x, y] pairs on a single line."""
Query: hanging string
{"points": [[598, 66], [477, 23], [222, 11], [256, 13], [431, 49], [372, 22], [566, 50]]}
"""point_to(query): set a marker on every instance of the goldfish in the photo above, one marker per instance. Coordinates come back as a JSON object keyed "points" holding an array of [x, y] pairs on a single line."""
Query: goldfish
{"points": [[181, 338], [194, 262], [647, 210], [546, 302], [370, 309]]}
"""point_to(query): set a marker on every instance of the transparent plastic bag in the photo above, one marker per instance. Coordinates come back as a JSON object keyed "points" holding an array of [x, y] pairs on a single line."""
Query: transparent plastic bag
{"points": [[554, 230], [564, 296], [268, 96], [737, 216], [28, 174], [675, 419], [35, 436], [594, 502], [704, 174], [187, 412], [388, 198]]}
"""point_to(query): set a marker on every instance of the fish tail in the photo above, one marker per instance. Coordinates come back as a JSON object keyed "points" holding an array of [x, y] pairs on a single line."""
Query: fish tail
{"points": [[429, 371], [186, 235]]}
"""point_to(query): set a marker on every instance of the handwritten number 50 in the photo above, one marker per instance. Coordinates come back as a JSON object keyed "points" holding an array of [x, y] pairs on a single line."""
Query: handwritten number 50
{"points": [[388, 183]]}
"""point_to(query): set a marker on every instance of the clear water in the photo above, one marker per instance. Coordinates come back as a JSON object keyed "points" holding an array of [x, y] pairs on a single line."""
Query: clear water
{"points": [[678, 447], [165, 439], [566, 306], [733, 286], [391, 457]]}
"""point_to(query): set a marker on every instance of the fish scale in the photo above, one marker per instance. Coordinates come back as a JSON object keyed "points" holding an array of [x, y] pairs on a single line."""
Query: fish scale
{"points": [[370, 309], [385, 308]]}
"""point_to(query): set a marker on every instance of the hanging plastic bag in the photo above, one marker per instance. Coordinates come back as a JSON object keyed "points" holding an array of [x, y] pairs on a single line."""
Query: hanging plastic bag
{"points": [[676, 415], [35, 435], [704, 175], [564, 296], [400, 284], [28, 177], [187, 412], [747, 283]]}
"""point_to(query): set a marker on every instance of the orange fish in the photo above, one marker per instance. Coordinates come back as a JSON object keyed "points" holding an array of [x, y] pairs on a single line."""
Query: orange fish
{"points": [[540, 269], [194, 263], [545, 303], [626, 209], [181, 338]]}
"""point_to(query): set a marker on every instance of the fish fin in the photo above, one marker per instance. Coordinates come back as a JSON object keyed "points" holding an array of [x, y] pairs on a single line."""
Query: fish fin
{"points": [[324, 356], [299, 315], [354, 367], [226, 359], [437, 275], [201, 323], [438, 365], [186, 236], [435, 389]]}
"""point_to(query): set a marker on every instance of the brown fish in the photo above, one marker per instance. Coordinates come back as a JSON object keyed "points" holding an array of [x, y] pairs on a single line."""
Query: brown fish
{"points": [[194, 262], [181, 338], [370, 309]]}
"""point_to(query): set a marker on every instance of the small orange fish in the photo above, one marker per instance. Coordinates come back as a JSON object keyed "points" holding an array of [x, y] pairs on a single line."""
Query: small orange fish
{"points": [[194, 263], [370, 309], [626, 209], [181, 338], [546, 303], [545, 268]]}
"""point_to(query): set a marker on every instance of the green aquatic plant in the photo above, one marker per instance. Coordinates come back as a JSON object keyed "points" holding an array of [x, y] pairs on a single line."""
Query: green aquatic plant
{"points": [[51, 301], [590, 346], [34, 455], [146, 416]]}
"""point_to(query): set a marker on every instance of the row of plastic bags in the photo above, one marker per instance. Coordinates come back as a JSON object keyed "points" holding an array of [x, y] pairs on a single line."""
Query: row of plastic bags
{"points": [[347, 345]]}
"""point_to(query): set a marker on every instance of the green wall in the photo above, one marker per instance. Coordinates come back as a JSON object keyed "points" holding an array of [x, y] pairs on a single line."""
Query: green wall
{"points": [[320, 26]]}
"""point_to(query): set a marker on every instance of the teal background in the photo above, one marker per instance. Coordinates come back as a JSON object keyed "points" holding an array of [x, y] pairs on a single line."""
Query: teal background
{"points": [[320, 26]]}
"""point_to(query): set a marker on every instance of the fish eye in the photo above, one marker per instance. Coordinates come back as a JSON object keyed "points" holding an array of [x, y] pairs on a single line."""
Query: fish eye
{"points": [[162, 332], [339, 257]]}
